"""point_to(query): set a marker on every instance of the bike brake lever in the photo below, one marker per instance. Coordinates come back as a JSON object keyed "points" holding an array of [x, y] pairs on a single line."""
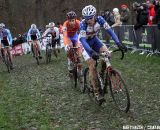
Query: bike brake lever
{"points": [[121, 52]]}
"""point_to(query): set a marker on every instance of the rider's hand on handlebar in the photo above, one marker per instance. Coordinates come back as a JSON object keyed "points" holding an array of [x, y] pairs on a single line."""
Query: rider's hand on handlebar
{"points": [[95, 56], [122, 47]]}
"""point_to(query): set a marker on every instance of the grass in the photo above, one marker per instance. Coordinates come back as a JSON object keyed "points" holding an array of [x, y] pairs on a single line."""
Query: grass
{"points": [[42, 98]]}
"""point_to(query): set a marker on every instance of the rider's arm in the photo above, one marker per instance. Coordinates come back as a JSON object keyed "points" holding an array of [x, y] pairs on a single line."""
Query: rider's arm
{"points": [[57, 33], [38, 34], [83, 38], [108, 29], [9, 37], [45, 33], [29, 35], [65, 35]]}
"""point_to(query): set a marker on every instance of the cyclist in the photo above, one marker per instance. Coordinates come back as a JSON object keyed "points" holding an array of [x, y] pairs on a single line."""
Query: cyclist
{"points": [[34, 35], [89, 28], [70, 35], [54, 32], [6, 41]]}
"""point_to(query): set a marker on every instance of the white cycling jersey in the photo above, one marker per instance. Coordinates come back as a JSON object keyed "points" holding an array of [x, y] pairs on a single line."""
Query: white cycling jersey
{"points": [[53, 31]]}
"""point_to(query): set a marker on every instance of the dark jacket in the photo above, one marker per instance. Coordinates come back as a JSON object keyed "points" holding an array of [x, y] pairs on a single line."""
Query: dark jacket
{"points": [[142, 16], [109, 18], [125, 15]]}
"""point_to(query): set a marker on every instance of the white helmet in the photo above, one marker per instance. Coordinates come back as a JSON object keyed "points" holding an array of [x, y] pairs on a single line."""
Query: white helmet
{"points": [[51, 25], [115, 10], [2, 25], [89, 11], [33, 26]]}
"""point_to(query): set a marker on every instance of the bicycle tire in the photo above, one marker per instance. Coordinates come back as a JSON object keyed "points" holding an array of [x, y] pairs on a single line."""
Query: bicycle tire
{"points": [[49, 55], [46, 55], [119, 90], [36, 54], [81, 80], [37, 59], [75, 76], [8, 63]]}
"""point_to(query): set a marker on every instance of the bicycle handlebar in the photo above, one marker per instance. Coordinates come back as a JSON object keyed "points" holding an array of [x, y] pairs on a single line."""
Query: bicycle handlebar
{"points": [[121, 52], [104, 54]]}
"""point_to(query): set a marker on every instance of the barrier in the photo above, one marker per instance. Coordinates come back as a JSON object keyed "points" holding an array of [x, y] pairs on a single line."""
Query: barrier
{"points": [[17, 50], [145, 40]]}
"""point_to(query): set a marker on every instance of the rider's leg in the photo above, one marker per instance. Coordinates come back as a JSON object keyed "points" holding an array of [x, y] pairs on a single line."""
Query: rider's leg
{"points": [[103, 49], [32, 49], [10, 56], [58, 45], [2, 50], [93, 76], [79, 52], [54, 47], [97, 46], [39, 48], [69, 59]]}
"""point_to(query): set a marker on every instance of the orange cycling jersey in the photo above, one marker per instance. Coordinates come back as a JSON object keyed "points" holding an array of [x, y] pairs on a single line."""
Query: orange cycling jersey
{"points": [[70, 30]]}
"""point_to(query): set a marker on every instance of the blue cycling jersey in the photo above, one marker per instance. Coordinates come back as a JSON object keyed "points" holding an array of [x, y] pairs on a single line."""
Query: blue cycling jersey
{"points": [[5, 34], [88, 32]]}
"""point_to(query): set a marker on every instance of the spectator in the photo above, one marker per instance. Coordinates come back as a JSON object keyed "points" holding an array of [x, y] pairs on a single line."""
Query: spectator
{"points": [[125, 14], [108, 16], [151, 12], [157, 12], [117, 17], [117, 25], [141, 14]]}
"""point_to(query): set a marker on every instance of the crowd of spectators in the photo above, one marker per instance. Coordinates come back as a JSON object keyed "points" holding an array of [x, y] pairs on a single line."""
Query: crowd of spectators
{"points": [[147, 13]]}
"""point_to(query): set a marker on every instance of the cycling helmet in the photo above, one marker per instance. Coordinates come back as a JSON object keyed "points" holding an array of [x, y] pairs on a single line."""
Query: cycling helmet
{"points": [[2, 25], [89, 11], [71, 15], [33, 26], [115, 10], [51, 25]]}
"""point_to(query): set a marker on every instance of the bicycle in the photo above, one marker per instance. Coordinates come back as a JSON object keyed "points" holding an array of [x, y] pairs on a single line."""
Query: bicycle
{"points": [[5, 58], [112, 78], [77, 72], [35, 50], [48, 50]]}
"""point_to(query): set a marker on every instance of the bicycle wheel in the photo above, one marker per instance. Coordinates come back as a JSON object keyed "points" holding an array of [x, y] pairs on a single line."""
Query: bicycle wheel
{"points": [[81, 80], [47, 55], [7, 62], [37, 59], [75, 76], [119, 91], [36, 54]]}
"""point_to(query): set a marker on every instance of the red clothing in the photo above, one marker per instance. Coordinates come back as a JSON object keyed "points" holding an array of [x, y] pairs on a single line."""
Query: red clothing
{"points": [[151, 15]]}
